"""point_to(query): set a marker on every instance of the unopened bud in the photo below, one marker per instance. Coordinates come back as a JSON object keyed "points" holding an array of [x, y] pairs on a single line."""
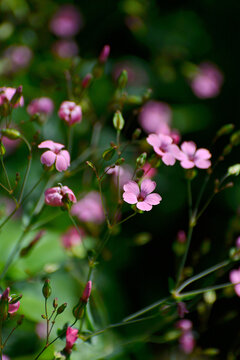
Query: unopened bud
{"points": [[123, 79], [224, 130], [104, 54], [234, 170], [86, 81], [55, 303], [2, 149], [235, 138], [120, 161], [91, 165], [61, 308], [78, 310], [11, 134], [5, 294], [15, 299], [87, 292], [46, 290], [118, 120], [141, 160], [20, 320]]}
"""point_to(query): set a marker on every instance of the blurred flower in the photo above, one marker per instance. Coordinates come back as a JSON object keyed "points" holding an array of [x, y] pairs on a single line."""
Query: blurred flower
{"points": [[104, 54], [182, 309], [87, 292], [235, 279], [137, 76], [187, 342], [238, 242], [6, 95], [184, 324], [12, 308], [207, 82], [5, 357], [72, 237], [89, 208], [71, 338], [191, 157], [181, 236], [70, 112], [41, 330], [61, 158], [42, 105], [149, 172], [66, 22], [18, 57], [65, 48], [10, 145], [164, 147], [125, 174], [142, 197], [155, 117], [59, 195]]}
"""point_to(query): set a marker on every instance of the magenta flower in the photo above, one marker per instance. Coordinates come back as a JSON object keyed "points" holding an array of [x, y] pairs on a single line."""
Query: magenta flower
{"points": [[71, 338], [6, 95], [12, 308], [61, 158], [58, 196], [187, 342], [72, 238], [89, 208], [207, 82], [235, 279], [42, 105], [104, 54], [65, 48], [142, 196], [87, 292], [66, 22], [191, 157], [164, 147], [70, 112]]}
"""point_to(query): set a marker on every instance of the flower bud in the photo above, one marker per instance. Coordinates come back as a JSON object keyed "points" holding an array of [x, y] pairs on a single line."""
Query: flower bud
{"points": [[123, 79], [91, 165], [78, 310], [141, 160], [104, 54], [224, 130], [46, 290], [118, 121], [235, 138], [55, 303], [15, 299], [136, 134], [11, 134], [120, 161], [86, 81], [4, 305], [2, 149], [227, 150], [61, 308], [234, 170], [87, 292]]}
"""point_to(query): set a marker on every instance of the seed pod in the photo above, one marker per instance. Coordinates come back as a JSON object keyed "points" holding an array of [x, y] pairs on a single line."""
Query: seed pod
{"points": [[46, 290], [118, 120], [61, 308]]}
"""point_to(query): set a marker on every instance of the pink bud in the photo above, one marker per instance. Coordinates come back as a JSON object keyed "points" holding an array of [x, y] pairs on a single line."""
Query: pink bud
{"points": [[104, 54], [86, 80], [71, 338], [87, 292], [58, 196], [187, 342], [70, 112]]}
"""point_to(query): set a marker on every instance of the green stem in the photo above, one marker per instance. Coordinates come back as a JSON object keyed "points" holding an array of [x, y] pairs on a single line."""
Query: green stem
{"points": [[27, 170], [1, 346], [46, 314], [202, 274], [6, 174], [127, 218], [69, 139], [103, 205], [201, 291]]}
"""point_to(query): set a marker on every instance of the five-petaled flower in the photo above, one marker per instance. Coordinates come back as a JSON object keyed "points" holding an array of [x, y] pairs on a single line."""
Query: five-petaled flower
{"points": [[70, 112], [191, 157], [59, 196], [55, 154], [164, 147], [141, 196], [71, 338]]}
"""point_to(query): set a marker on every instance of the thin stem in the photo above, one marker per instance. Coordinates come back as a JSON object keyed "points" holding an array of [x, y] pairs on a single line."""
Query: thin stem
{"points": [[205, 206], [146, 309], [6, 174], [184, 258], [189, 198], [69, 139], [201, 291], [46, 314], [53, 322], [28, 168], [11, 332], [201, 192], [127, 218], [202, 274], [103, 205]]}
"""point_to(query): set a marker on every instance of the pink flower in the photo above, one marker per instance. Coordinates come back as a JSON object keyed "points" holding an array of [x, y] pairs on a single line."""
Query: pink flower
{"points": [[65, 48], [181, 236], [5, 357], [149, 172], [104, 54], [187, 342], [71, 338], [18, 57], [42, 105], [184, 325], [235, 279], [72, 238], [125, 174], [12, 308], [191, 157], [66, 22], [155, 117], [89, 208], [142, 197], [70, 112], [164, 147], [57, 196], [208, 81], [238, 242], [61, 158], [6, 95], [87, 292]]}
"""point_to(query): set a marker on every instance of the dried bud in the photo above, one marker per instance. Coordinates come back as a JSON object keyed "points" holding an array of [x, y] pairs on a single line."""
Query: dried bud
{"points": [[118, 121], [46, 290], [61, 308], [11, 134], [123, 79]]}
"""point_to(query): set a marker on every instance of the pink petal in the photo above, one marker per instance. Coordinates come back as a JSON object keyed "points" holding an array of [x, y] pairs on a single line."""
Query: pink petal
{"points": [[48, 158], [66, 155], [177, 153], [147, 186], [153, 199], [13, 307], [131, 187], [237, 289], [158, 151], [187, 164], [142, 205], [61, 163], [234, 276], [49, 144], [130, 198], [168, 159], [203, 164], [154, 140], [203, 154], [188, 147], [165, 140]]}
